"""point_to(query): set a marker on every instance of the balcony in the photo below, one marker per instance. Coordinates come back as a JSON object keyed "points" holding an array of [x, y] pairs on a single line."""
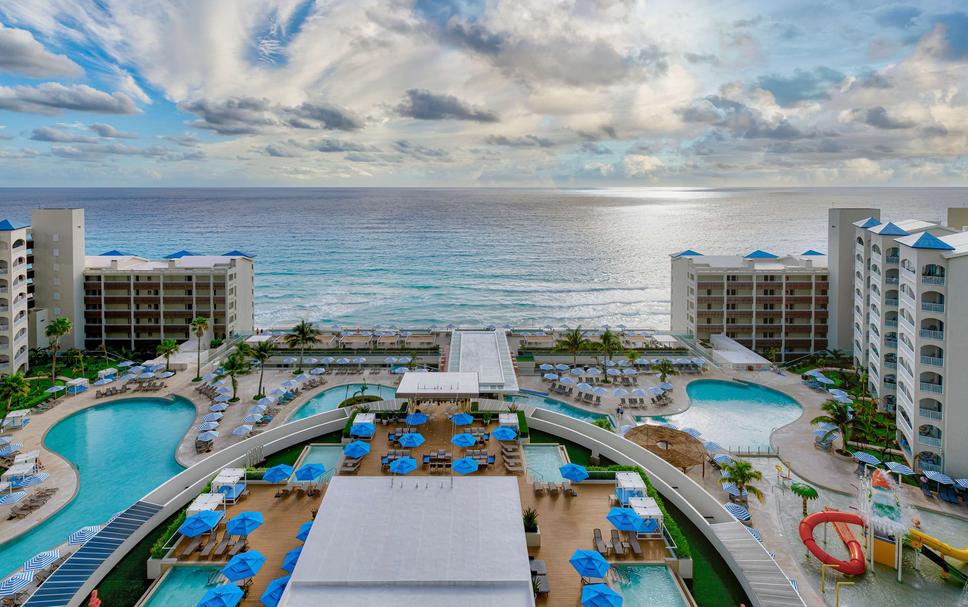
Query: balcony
{"points": [[893, 258], [932, 280], [929, 441], [890, 342], [929, 334], [932, 307], [891, 323], [890, 364], [933, 361], [904, 422], [907, 321], [930, 387], [892, 280], [891, 302], [930, 413]]}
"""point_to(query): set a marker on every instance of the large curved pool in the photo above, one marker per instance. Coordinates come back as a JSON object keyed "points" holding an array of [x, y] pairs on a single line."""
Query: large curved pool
{"points": [[736, 415], [329, 399], [122, 450], [551, 404]]}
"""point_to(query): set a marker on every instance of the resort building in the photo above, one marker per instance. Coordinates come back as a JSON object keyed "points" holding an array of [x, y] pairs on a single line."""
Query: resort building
{"points": [[487, 355], [14, 297], [134, 302], [840, 257], [763, 301], [57, 241]]}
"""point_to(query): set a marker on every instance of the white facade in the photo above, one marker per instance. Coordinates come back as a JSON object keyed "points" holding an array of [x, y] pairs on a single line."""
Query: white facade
{"points": [[58, 246], [13, 298], [840, 252]]}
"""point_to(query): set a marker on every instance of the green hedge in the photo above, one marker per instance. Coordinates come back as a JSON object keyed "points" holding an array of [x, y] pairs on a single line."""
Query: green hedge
{"points": [[672, 527], [349, 424], [523, 424], [158, 548]]}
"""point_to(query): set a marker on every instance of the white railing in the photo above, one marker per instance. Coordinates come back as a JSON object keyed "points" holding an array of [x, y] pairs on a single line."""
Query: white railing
{"points": [[930, 413], [932, 280]]}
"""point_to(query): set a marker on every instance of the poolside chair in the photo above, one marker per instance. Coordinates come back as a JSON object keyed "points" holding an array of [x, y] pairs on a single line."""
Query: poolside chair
{"points": [[539, 487], [633, 542], [227, 541], [210, 545], [240, 546], [600, 544], [513, 468], [192, 546], [617, 546]]}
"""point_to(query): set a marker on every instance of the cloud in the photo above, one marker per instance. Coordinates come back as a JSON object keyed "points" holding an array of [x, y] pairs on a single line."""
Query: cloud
{"points": [[277, 150], [46, 133], [99, 152], [52, 98], [421, 152], [878, 117], [421, 104], [899, 16], [954, 29], [698, 58], [21, 54], [187, 140], [739, 119], [109, 132], [325, 116], [803, 85], [640, 164], [250, 115], [590, 147], [525, 141]]}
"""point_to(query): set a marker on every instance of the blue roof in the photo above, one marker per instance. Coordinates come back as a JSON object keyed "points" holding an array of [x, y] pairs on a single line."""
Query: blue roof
{"points": [[928, 240], [870, 222], [237, 253], [888, 229], [180, 254], [6, 225], [114, 253], [761, 254], [687, 253], [811, 252]]}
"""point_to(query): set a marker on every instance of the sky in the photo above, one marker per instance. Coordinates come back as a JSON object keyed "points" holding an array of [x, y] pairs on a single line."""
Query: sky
{"points": [[536, 93]]}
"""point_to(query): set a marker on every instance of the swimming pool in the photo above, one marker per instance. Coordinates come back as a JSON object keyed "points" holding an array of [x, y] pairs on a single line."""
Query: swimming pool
{"points": [[651, 585], [543, 462], [327, 455], [734, 414], [542, 402], [183, 585], [329, 399], [122, 450]]}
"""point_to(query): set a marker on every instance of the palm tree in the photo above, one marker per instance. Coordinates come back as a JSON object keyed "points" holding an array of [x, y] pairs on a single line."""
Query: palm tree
{"points": [[610, 343], [806, 492], [740, 473], [103, 349], [631, 356], [302, 335], [199, 327], [236, 364], [573, 342], [838, 415], [76, 357], [57, 328], [261, 352], [665, 369], [13, 386], [166, 349], [773, 354], [413, 361]]}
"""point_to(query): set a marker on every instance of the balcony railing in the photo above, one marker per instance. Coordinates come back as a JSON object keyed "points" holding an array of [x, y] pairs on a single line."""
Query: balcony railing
{"points": [[891, 301], [930, 413], [892, 280], [929, 467], [932, 307], [890, 343], [890, 323], [893, 258], [890, 364], [934, 361], [930, 334], [931, 387], [929, 441], [932, 280]]}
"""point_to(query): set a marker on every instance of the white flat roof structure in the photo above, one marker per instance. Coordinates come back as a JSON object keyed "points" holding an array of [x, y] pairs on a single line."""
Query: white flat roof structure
{"points": [[730, 353], [417, 384], [487, 354], [419, 543]]}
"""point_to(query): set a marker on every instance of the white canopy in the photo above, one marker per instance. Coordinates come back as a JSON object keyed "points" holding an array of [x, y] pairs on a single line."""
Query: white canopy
{"points": [[107, 372], [438, 385], [629, 480], [77, 381]]}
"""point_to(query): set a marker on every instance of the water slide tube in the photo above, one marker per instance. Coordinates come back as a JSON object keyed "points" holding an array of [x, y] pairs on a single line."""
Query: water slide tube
{"points": [[937, 545], [840, 520]]}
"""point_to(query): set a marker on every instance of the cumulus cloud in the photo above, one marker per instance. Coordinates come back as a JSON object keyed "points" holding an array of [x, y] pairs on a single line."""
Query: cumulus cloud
{"points": [[101, 151], [47, 133], [250, 115], [21, 54], [640, 164], [187, 140], [53, 98], [739, 119], [878, 117], [109, 132], [421, 104], [525, 141], [802, 85], [421, 152]]}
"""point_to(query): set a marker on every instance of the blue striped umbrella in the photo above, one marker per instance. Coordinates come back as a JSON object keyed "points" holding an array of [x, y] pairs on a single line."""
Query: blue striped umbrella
{"points": [[289, 562], [356, 449], [226, 595], [464, 440], [712, 447], [756, 534], [243, 565], [206, 437], [568, 381], [464, 465], [304, 529], [273, 593], [251, 418], [692, 432], [733, 490], [866, 458], [11, 449], [938, 477], [600, 391], [962, 483], [83, 535], [899, 468], [30, 480], [722, 459], [212, 417], [244, 523], [42, 561], [16, 582], [738, 512], [277, 474]]}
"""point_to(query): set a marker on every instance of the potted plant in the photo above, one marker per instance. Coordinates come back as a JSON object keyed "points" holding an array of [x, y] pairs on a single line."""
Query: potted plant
{"points": [[532, 535]]}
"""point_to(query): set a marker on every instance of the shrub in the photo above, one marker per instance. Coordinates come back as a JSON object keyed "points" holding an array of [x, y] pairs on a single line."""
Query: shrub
{"points": [[530, 518], [360, 398], [603, 422], [522, 424], [158, 548]]}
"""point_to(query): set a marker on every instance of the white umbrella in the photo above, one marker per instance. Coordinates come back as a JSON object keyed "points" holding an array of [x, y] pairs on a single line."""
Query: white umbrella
{"points": [[620, 392]]}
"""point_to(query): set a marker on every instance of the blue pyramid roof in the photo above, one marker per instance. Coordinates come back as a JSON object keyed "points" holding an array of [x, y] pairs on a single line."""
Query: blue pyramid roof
{"points": [[237, 253], [811, 253], [888, 229], [928, 240], [870, 222], [180, 254], [761, 254], [687, 253], [114, 253], [6, 225]]}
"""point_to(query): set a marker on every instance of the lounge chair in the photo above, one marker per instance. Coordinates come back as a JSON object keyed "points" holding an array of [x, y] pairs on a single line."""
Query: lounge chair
{"points": [[225, 544], [513, 468], [634, 544], [192, 546], [600, 544], [210, 545], [539, 487], [617, 546], [238, 546]]}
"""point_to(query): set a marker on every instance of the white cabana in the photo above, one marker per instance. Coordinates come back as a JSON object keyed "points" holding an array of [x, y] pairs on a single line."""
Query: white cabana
{"points": [[17, 471], [77, 381], [438, 386], [508, 419], [17, 419], [629, 480], [206, 501], [107, 372], [648, 509]]}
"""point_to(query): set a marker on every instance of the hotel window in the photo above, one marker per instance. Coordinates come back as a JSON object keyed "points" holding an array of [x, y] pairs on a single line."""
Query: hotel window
{"points": [[730, 306], [709, 291], [769, 292], [731, 278], [55, 237], [731, 291]]}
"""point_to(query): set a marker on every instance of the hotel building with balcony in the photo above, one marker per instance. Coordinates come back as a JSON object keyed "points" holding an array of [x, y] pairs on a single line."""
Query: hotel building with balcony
{"points": [[15, 292]]}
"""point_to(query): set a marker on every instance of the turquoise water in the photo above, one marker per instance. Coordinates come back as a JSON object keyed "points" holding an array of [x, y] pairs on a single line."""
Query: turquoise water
{"points": [[543, 462], [122, 451], [648, 586], [327, 455], [734, 414], [541, 402], [182, 587], [329, 399]]}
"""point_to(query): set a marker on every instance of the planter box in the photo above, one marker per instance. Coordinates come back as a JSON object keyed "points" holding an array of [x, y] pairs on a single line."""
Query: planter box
{"points": [[156, 567], [533, 539]]}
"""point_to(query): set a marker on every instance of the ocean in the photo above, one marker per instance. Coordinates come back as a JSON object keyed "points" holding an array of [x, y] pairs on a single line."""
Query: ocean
{"points": [[471, 257]]}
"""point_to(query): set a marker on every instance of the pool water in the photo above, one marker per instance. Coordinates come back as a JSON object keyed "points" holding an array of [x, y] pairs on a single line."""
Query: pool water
{"points": [[735, 415], [327, 455], [542, 402], [329, 399], [543, 462], [122, 450], [648, 585], [182, 587]]}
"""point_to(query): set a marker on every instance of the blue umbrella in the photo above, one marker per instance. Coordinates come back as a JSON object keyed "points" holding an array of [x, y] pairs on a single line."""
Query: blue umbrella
{"points": [[585, 387], [568, 381], [103, 381], [756, 534], [600, 595], [938, 477], [692, 432], [356, 449], [462, 419], [733, 490], [226, 595], [289, 562], [403, 360], [550, 376], [42, 560], [464, 465], [577, 371], [206, 426], [273, 593], [218, 407], [546, 367], [363, 429], [207, 436], [629, 371], [613, 372], [310, 472], [866, 458], [824, 380], [266, 401], [712, 447], [29, 480], [464, 440], [593, 371], [244, 523], [12, 498], [251, 418], [504, 433], [83, 535], [243, 565], [222, 398], [620, 392], [256, 410], [562, 367], [624, 519], [212, 417], [411, 440], [304, 529], [404, 465], [200, 523], [723, 459], [740, 513], [277, 474], [899, 468], [415, 419], [665, 385], [16, 582], [574, 473], [54, 389], [589, 563]]}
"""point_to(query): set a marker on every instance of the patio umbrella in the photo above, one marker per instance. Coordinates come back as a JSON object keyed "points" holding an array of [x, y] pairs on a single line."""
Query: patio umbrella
{"points": [[399, 370], [464, 465], [404, 360], [310, 472], [363, 430], [273, 593], [251, 418], [41, 561], [289, 562], [12, 498], [257, 410], [243, 565], [577, 371], [207, 436], [723, 459], [356, 449], [612, 372], [302, 377], [311, 361], [303, 534], [589, 563], [573, 472], [226, 595], [222, 398], [610, 363], [624, 519], [10, 449], [415, 419], [962, 483], [318, 371], [504, 433], [290, 384], [599, 391], [899, 468], [200, 523], [562, 367], [30, 480], [103, 381], [600, 595], [404, 465], [16, 582], [824, 380], [126, 364], [147, 375], [462, 419], [594, 371], [54, 389], [940, 478], [266, 401], [629, 371], [620, 392], [691, 432], [6, 440], [342, 361], [289, 360], [359, 360], [166, 374], [866, 458], [83, 535], [837, 392], [206, 426], [756, 534], [638, 393], [244, 523], [212, 417], [550, 376], [242, 430], [738, 512], [568, 381], [546, 367], [277, 474], [327, 360], [411, 440], [463, 440], [733, 490], [665, 385], [585, 387], [218, 407]]}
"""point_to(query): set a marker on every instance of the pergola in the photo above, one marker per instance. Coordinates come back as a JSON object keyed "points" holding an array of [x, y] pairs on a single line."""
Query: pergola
{"points": [[678, 448]]}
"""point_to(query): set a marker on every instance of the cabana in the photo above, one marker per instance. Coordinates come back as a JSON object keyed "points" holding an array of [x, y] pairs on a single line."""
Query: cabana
{"points": [[447, 386], [355, 342], [230, 482], [111, 372], [419, 340], [77, 385], [17, 419], [206, 502], [648, 509]]}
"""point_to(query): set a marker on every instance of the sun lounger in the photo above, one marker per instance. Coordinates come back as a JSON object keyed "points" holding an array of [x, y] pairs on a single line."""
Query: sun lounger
{"points": [[238, 546], [513, 468], [539, 487], [210, 545], [600, 544], [634, 545], [227, 541], [617, 546], [192, 546]]}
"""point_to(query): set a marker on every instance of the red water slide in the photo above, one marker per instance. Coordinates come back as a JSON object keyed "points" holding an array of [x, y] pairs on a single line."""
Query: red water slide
{"points": [[840, 520]]}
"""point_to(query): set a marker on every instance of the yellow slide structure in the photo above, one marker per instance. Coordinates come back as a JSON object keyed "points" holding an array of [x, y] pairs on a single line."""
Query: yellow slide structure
{"points": [[960, 554]]}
